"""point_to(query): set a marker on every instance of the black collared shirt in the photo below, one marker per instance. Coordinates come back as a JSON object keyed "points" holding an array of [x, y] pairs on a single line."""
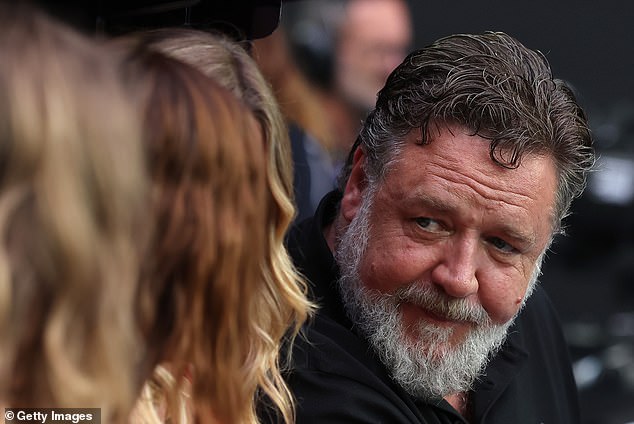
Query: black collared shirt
{"points": [[336, 378]]}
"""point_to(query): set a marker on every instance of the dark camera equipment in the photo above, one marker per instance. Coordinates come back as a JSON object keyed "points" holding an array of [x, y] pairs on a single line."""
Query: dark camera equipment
{"points": [[240, 19]]}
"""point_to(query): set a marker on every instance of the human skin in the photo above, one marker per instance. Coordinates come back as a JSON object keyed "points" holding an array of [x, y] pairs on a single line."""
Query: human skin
{"points": [[447, 215], [374, 40]]}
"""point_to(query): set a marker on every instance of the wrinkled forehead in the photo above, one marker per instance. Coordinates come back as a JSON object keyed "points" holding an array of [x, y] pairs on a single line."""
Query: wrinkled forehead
{"points": [[457, 153]]}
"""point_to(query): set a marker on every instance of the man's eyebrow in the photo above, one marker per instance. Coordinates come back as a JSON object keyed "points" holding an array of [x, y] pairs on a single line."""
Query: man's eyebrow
{"points": [[424, 199]]}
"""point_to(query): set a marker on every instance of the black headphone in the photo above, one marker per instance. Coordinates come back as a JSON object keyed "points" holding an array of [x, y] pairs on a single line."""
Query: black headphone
{"points": [[312, 29]]}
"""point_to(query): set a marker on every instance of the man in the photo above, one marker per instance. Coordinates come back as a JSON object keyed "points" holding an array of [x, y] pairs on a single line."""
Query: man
{"points": [[347, 48], [423, 262]]}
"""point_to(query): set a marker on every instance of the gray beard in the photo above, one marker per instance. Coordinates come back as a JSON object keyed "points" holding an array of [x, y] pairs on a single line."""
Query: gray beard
{"points": [[427, 367]]}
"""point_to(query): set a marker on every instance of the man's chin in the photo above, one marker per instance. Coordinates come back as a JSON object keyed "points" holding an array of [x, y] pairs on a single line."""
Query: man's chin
{"points": [[432, 342], [432, 354], [419, 325], [429, 362]]}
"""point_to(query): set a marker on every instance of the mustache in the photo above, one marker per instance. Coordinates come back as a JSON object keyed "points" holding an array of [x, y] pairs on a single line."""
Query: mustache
{"points": [[438, 303]]}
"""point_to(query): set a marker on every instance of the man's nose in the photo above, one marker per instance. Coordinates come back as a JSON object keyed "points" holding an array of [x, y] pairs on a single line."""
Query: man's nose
{"points": [[456, 269]]}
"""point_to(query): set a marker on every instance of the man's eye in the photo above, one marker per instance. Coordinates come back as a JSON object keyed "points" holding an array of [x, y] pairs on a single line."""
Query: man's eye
{"points": [[501, 245], [428, 224]]}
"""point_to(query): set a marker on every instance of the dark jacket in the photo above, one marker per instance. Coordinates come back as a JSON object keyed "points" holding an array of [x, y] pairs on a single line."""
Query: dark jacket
{"points": [[313, 172], [336, 378]]}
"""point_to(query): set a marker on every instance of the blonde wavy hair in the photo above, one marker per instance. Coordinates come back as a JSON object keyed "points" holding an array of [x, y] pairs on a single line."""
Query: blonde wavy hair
{"points": [[72, 188], [282, 306], [209, 258]]}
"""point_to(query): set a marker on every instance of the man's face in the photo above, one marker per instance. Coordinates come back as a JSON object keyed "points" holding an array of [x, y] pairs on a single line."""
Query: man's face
{"points": [[453, 243], [374, 40]]}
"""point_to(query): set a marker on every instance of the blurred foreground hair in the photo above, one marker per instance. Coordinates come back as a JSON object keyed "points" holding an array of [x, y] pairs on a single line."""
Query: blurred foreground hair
{"points": [[71, 191], [201, 292]]}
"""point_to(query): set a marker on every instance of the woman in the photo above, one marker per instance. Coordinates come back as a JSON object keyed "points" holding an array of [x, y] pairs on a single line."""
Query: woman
{"points": [[214, 294], [282, 299]]}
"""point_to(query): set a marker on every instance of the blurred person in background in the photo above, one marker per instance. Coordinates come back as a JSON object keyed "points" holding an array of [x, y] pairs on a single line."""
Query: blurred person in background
{"points": [[72, 194], [312, 143], [219, 293], [347, 48]]}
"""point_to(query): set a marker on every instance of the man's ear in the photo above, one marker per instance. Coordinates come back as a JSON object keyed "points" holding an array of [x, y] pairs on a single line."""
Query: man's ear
{"points": [[357, 182]]}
